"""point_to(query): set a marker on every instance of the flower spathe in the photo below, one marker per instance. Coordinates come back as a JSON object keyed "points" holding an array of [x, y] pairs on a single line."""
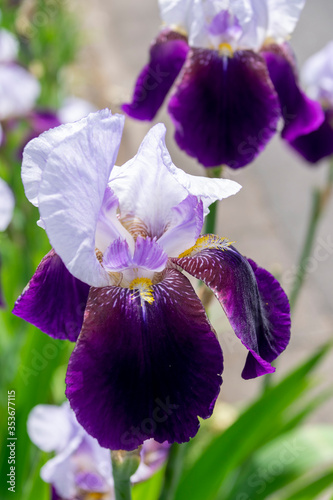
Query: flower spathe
{"points": [[146, 359], [236, 78], [317, 77], [80, 465]]}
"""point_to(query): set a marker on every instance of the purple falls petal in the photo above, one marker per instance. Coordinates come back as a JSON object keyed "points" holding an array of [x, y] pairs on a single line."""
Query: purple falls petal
{"points": [[225, 109], [54, 300], [300, 113], [143, 371], [317, 144], [166, 58], [254, 302]]}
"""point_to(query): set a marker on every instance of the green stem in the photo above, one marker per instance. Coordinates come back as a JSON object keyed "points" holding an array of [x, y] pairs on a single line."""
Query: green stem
{"points": [[210, 222], [173, 471], [124, 464], [320, 198]]}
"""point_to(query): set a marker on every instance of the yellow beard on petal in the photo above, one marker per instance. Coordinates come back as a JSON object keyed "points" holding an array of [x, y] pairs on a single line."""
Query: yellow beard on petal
{"points": [[207, 241], [225, 49], [144, 288]]}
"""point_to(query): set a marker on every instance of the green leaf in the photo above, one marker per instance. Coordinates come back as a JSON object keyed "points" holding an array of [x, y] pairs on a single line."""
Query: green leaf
{"points": [[149, 489], [259, 424], [283, 461], [312, 489]]}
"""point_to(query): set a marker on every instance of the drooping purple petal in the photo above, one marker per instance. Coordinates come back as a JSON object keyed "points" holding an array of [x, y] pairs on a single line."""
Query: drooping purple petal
{"points": [[225, 109], [54, 300], [142, 371], [319, 143], [254, 302], [300, 113], [166, 58]]}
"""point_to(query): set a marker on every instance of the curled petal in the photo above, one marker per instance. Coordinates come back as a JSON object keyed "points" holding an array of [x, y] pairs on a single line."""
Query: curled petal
{"points": [[300, 113], [144, 369], [317, 144], [54, 300], [254, 302], [225, 109], [166, 58]]}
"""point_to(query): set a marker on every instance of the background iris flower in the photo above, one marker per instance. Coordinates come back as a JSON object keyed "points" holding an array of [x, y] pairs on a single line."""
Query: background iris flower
{"points": [[237, 78], [80, 466], [6, 212], [18, 88], [147, 361], [317, 76]]}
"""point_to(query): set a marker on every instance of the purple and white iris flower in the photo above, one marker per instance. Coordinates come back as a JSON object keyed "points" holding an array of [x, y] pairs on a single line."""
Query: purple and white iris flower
{"points": [[236, 78], [81, 467], [18, 88], [7, 203], [317, 77], [147, 362]]}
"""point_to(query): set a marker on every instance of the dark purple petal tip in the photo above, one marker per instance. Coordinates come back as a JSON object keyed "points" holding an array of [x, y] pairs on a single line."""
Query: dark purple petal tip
{"points": [[300, 113], [274, 327], [166, 58], [254, 302], [319, 143], [225, 109], [54, 300], [143, 369]]}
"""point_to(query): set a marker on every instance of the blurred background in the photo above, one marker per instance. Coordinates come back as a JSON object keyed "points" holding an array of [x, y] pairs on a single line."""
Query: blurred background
{"points": [[95, 51]]}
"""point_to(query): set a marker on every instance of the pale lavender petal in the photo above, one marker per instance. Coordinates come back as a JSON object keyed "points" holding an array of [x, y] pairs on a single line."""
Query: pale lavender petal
{"points": [[283, 16], [8, 46], [72, 191], [184, 226], [7, 203], [108, 226], [18, 91], [49, 427], [149, 254]]}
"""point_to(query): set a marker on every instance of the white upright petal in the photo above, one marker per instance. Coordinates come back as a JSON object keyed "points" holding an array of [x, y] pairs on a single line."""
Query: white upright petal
{"points": [[72, 190], [60, 471], [8, 46], [254, 18], [36, 152], [177, 12], [49, 427], [206, 189], [18, 91], [317, 75], [7, 203], [283, 17], [146, 186]]}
